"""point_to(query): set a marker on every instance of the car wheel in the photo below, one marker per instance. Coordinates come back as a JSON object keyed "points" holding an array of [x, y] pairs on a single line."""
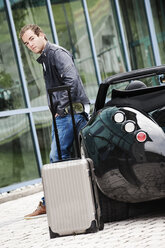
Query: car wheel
{"points": [[112, 210]]}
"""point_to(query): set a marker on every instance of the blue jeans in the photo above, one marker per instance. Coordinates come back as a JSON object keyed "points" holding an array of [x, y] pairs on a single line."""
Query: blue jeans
{"points": [[66, 136]]}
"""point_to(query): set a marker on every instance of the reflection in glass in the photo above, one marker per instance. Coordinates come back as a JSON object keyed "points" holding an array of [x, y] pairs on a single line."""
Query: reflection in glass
{"points": [[32, 12], [11, 96], [43, 123], [158, 12], [107, 39], [136, 29], [72, 34], [18, 161]]}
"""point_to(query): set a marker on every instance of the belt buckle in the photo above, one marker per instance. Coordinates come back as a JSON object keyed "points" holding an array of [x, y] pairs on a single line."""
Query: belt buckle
{"points": [[77, 108]]}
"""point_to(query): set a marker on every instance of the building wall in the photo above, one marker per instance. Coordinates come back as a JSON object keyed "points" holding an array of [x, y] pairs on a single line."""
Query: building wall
{"points": [[105, 36]]}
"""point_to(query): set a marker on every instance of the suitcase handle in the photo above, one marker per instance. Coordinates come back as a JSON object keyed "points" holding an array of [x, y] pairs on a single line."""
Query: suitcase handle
{"points": [[50, 93]]}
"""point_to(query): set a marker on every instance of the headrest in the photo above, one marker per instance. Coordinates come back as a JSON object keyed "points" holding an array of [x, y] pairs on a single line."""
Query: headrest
{"points": [[135, 85]]}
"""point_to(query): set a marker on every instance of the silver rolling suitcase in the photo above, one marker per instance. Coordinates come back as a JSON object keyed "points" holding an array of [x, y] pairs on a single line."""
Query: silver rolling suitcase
{"points": [[70, 190]]}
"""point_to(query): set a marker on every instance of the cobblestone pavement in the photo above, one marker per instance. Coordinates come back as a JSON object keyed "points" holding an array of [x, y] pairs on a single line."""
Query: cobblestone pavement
{"points": [[15, 232]]}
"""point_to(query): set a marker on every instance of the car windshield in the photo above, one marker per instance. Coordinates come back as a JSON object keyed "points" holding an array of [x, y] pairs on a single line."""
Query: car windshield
{"points": [[148, 81]]}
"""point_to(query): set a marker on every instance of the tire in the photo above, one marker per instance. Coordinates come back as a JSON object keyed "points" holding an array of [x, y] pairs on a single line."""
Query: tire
{"points": [[112, 210], [148, 207]]}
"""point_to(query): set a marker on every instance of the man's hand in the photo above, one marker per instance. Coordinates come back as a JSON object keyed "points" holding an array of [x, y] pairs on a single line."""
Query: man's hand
{"points": [[56, 115]]}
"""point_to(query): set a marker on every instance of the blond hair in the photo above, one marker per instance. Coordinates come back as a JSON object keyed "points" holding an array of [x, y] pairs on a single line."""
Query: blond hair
{"points": [[35, 28]]}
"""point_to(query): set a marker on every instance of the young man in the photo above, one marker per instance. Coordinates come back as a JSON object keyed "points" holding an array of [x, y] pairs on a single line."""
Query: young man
{"points": [[58, 69]]}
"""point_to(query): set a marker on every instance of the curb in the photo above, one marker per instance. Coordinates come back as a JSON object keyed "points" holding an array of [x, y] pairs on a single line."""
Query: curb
{"points": [[21, 192]]}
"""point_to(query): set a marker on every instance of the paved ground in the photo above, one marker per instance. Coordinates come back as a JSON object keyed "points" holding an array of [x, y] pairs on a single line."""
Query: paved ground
{"points": [[15, 232]]}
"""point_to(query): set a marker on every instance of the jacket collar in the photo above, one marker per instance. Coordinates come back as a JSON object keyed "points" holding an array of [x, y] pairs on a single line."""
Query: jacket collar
{"points": [[44, 53]]}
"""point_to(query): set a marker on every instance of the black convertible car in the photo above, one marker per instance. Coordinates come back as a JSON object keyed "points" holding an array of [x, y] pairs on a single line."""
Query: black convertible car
{"points": [[125, 138]]}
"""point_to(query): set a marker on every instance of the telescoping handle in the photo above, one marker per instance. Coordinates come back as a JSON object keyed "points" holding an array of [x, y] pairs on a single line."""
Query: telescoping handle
{"points": [[50, 93]]}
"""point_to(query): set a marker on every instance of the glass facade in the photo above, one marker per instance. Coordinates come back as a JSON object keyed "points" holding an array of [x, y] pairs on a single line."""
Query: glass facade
{"points": [[43, 124], [104, 36], [73, 35], [11, 94], [17, 163], [137, 33], [32, 12], [158, 7]]}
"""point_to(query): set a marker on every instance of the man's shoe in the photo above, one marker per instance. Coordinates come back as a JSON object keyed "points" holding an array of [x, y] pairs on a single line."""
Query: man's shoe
{"points": [[41, 209]]}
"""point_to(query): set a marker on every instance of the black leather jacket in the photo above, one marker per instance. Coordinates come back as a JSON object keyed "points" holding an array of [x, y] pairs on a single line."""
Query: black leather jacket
{"points": [[59, 69]]}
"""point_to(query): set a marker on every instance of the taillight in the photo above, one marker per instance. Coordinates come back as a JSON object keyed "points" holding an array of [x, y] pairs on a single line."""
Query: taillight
{"points": [[119, 117], [141, 136], [129, 126]]}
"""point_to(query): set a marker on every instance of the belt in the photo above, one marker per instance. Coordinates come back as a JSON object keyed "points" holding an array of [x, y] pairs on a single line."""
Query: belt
{"points": [[77, 108]]}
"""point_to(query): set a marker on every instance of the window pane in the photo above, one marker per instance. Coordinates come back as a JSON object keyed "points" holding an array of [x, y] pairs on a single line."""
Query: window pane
{"points": [[158, 11], [18, 161], [11, 96], [43, 123], [107, 39], [32, 12], [137, 33], [72, 34]]}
